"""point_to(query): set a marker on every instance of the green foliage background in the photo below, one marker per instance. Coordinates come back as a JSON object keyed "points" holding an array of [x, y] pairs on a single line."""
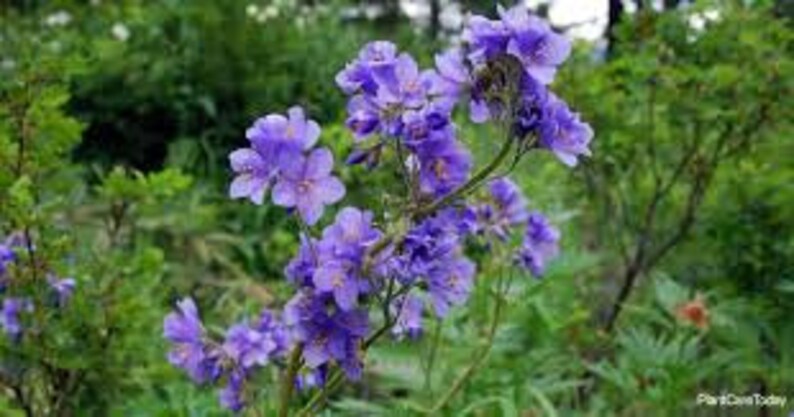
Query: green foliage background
{"points": [[125, 174]]}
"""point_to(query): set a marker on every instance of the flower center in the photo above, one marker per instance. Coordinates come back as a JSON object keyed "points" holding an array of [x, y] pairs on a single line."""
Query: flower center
{"points": [[304, 186], [440, 168], [338, 280]]}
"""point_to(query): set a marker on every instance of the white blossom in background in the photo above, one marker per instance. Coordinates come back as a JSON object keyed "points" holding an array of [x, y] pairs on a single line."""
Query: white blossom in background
{"points": [[120, 31], [263, 14], [59, 18]]}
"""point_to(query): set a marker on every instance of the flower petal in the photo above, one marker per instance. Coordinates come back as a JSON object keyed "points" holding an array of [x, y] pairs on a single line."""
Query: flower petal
{"points": [[284, 194]]}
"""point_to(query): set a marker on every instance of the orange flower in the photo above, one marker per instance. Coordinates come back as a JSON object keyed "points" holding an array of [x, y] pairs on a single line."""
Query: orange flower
{"points": [[694, 312]]}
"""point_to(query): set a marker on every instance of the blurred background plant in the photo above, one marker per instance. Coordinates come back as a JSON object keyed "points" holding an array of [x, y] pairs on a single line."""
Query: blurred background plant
{"points": [[676, 275]]}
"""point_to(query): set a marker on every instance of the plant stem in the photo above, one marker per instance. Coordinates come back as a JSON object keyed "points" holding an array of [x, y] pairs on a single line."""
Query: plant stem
{"points": [[289, 380], [481, 356]]}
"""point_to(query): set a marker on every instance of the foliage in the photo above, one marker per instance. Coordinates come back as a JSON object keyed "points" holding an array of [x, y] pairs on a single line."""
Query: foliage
{"points": [[117, 103]]}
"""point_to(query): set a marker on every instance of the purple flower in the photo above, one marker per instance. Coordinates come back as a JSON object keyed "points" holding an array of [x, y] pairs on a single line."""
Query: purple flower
{"points": [[311, 378], [248, 346], [562, 132], [274, 140], [363, 116], [534, 43], [420, 127], [443, 166], [450, 284], [485, 38], [456, 79], [534, 99], [63, 288], [351, 234], [335, 338], [541, 244], [300, 269], [357, 76], [451, 69], [232, 397], [409, 316], [335, 277], [7, 256], [183, 328], [254, 175], [509, 207], [402, 84], [10, 316], [278, 138], [307, 184], [432, 242]]}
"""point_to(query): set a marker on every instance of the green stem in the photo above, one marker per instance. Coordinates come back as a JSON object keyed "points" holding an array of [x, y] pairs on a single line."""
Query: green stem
{"points": [[289, 380], [481, 356]]}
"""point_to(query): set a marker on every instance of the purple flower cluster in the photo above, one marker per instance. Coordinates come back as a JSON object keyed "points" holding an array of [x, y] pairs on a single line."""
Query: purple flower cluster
{"points": [[541, 244], [325, 315], [281, 155], [14, 307], [245, 348], [506, 208], [502, 72], [10, 316], [529, 52], [432, 258], [391, 98]]}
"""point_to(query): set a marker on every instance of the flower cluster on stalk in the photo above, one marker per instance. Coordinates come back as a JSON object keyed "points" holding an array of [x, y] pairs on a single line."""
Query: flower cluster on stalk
{"points": [[15, 306], [245, 348], [354, 268]]}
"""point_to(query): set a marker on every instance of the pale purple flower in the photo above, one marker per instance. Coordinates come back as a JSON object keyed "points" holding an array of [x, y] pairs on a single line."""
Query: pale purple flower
{"points": [[300, 269], [364, 116], [351, 234], [444, 166], [456, 80], [409, 316], [563, 132], [335, 338], [311, 378], [485, 38], [183, 328], [63, 288], [10, 319], [232, 397], [7, 257], [357, 77], [253, 175], [534, 43], [541, 244], [335, 277], [450, 284], [277, 137], [402, 84], [420, 127], [509, 207], [306, 183], [249, 347]]}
